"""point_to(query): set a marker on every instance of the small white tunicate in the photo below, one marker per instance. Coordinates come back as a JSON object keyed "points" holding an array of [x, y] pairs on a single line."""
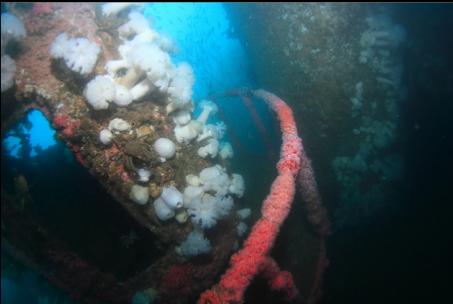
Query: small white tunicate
{"points": [[118, 124], [139, 194], [143, 175], [105, 137], [163, 212], [172, 197]]}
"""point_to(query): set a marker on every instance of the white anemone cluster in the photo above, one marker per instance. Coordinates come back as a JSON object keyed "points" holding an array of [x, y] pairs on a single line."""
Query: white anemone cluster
{"points": [[188, 129], [206, 211], [208, 197], [208, 200], [215, 179], [145, 66]]}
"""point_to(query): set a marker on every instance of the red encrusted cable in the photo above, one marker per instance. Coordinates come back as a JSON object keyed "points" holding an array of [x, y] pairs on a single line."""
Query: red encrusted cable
{"points": [[253, 257], [278, 280]]}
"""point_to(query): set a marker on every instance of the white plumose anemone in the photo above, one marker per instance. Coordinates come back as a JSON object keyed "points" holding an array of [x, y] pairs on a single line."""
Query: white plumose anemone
{"points": [[194, 245], [192, 193], [79, 54], [165, 148], [123, 96], [215, 179], [226, 151], [185, 134], [180, 87], [224, 205], [208, 107], [99, 92], [163, 212], [210, 149], [182, 117], [204, 212]]}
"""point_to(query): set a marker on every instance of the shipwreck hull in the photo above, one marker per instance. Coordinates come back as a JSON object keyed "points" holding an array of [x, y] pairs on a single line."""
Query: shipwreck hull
{"points": [[149, 263], [40, 85]]}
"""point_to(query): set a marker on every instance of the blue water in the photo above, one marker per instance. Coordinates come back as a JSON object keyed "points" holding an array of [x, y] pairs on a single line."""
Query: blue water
{"points": [[202, 34], [41, 135]]}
